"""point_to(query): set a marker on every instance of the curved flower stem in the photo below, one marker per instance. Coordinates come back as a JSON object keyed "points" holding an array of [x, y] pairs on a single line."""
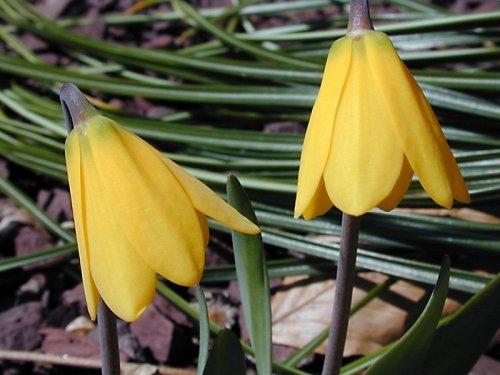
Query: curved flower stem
{"points": [[346, 273], [359, 17], [108, 340], [77, 109]]}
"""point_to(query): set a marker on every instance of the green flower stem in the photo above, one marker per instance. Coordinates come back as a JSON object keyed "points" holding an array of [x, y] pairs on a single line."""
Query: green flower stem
{"points": [[77, 109], [346, 273], [108, 340]]}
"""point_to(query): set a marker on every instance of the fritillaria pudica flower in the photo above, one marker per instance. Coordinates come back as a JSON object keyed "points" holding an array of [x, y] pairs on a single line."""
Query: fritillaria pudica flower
{"points": [[137, 214], [370, 129]]}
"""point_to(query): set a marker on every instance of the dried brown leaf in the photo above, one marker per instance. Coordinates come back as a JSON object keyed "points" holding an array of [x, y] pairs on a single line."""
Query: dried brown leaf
{"points": [[303, 308]]}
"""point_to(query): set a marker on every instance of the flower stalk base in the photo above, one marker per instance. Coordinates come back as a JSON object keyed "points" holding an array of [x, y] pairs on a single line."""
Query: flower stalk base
{"points": [[108, 340], [346, 273]]}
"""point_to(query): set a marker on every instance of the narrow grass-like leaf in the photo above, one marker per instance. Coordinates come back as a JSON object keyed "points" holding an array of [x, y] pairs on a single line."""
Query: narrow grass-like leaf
{"points": [[275, 268], [408, 354], [244, 46], [419, 6], [252, 279], [226, 357], [395, 266], [138, 56], [38, 256], [57, 128], [247, 96], [249, 10], [462, 80], [204, 330], [462, 337], [429, 24], [23, 200]]}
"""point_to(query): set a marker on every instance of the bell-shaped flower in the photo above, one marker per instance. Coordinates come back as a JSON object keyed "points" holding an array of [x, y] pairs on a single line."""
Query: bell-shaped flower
{"points": [[370, 128], [136, 214]]}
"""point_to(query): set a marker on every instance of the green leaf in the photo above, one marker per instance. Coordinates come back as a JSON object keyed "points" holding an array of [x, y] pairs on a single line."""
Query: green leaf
{"points": [[406, 357], [429, 24], [226, 357], [462, 338], [244, 46], [22, 199], [204, 330], [252, 279], [37, 256]]}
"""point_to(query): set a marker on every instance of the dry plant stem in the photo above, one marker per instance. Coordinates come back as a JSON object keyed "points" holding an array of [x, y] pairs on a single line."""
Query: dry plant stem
{"points": [[85, 363], [346, 273], [108, 340], [76, 110]]}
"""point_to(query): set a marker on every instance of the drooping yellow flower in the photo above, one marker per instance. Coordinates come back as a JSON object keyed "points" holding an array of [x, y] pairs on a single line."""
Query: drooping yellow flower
{"points": [[136, 214], [370, 129]]}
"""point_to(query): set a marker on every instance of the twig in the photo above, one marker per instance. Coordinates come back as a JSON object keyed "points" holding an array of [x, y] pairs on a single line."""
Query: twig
{"points": [[90, 363]]}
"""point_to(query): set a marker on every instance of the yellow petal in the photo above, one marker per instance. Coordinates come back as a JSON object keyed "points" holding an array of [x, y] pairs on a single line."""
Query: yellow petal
{"points": [[202, 219], [78, 199], [147, 202], [400, 188], [457, 183], [366, 156], [319, 204], [416, 125], [124, 280], [318, 138], [208, 202]]}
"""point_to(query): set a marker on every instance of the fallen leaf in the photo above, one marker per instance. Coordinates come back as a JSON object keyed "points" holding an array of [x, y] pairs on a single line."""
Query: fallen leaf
{"points": [[81, 324], [10, 213], [302, 310]]}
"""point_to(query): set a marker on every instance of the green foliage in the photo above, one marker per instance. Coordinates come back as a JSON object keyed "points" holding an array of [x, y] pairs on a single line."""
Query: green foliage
{"points": [[204, 330], [252, 277], [408, 354], [226, 356], [462, 337]]}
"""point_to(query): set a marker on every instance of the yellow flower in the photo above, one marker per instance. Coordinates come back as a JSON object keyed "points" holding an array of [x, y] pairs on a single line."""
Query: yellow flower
{"points": [[370, 129], [136, 213]]}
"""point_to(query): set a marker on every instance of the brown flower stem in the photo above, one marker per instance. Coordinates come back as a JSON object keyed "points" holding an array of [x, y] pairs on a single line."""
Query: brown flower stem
{"points": [[77, 109], [359, 18], [346, 273], [108, 340]]}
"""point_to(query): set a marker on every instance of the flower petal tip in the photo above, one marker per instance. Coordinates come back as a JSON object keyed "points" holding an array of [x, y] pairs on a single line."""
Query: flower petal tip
{"points": [[92, 314], [297, 213], [249, 228], [467, 200]]}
